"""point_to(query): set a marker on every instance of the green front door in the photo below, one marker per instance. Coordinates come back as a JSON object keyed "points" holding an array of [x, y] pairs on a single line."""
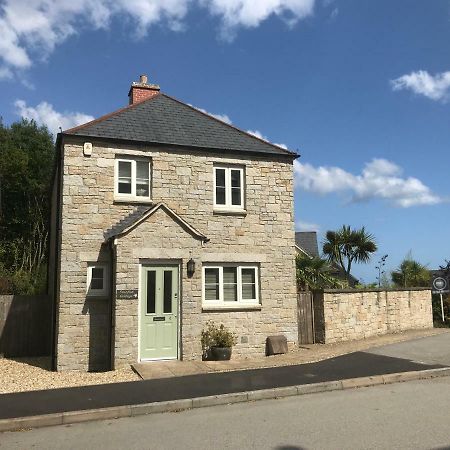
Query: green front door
{"points": [[159, 313]]}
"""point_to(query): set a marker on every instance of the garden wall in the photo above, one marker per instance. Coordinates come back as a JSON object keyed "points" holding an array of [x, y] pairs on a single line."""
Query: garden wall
{"points": [[348, 315], [25, 325]]}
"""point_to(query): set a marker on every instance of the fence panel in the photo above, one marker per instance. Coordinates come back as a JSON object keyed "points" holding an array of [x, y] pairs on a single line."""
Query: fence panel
{"points": [[305, 317], [25, 325]]}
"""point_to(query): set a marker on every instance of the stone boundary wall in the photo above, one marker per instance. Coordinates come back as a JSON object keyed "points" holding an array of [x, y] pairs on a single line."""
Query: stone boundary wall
{"points": [[350, 315], [25, 325]]}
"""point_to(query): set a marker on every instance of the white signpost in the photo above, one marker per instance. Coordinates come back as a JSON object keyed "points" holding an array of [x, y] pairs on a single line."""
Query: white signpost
{"points": [[440, 286]]}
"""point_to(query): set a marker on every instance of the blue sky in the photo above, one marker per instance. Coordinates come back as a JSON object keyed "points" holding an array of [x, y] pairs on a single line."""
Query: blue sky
{"points": [[360, 88]]}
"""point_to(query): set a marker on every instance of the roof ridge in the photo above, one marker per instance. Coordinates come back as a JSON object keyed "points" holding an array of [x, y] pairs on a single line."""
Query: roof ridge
{"points": [[290, 152], [111, 114]]}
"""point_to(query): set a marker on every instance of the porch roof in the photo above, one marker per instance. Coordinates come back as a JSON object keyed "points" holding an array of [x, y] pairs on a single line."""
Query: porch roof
{"points": [[140, 214]]}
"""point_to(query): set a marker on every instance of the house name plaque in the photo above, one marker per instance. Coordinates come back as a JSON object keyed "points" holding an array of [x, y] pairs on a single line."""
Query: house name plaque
{"points": [[127, 294]]}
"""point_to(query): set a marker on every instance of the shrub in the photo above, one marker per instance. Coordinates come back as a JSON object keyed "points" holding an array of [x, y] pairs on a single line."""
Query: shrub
{"points": [[217, 336]]}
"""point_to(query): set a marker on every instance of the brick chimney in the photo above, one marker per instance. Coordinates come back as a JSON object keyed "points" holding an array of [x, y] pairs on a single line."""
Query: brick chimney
{"points": [[142, 90]]}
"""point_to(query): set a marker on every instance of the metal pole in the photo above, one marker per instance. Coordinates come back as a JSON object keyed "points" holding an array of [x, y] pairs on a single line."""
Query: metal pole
{"points": [[442, 309]]}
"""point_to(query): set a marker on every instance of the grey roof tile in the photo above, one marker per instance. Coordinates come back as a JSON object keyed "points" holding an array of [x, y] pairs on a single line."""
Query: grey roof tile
{"points": [[165, 120], [307, 241]]}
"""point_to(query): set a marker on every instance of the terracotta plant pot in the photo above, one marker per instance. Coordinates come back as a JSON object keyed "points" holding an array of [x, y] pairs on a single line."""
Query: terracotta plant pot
{"points": [[221, 353]]}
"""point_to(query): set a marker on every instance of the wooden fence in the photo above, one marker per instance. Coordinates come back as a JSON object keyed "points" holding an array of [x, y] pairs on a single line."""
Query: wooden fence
{"points": [[25, 325], [305, 313]]}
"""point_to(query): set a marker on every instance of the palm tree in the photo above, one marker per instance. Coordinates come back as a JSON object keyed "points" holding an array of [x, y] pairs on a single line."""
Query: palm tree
{"points": [[411, 273], [313, 273], [346, 246]]}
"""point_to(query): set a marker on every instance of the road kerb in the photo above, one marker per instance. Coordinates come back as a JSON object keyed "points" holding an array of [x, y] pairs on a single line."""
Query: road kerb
{"points": [[362, 382], [158, 407], [96, 414], [314, 388], [21, 423], [45, 420], [224, 399]]}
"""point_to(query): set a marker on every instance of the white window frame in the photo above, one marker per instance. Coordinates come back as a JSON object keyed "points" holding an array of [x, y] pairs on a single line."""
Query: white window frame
{"points": [[120, 195], [97, 292], [240, 302], [228, 196]]}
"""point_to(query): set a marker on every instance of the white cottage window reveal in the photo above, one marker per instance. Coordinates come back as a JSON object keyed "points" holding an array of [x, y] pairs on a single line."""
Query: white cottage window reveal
{"points": [[230, 285], [132, 179], [97, 280], [228, 188]]}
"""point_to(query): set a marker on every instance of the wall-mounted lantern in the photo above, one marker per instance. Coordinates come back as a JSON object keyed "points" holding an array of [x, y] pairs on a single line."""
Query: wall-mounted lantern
{"points": [[190, 267]]}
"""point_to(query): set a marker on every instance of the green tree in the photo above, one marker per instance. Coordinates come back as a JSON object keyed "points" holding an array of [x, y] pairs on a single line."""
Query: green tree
{"points": [[347, 246], [314, 273], [26, 169], [411, 273]]}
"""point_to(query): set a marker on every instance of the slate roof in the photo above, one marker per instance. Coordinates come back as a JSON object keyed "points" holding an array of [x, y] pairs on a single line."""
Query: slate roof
{"points": [[140, 214], [307, 241], [165, 120]]}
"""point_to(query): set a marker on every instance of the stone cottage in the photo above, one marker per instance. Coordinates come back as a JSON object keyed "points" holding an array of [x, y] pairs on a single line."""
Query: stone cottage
{"points": [[165, 217]]}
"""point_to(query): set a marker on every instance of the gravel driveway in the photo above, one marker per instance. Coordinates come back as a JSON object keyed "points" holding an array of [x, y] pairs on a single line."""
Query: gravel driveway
{"points": [[31, 374]]}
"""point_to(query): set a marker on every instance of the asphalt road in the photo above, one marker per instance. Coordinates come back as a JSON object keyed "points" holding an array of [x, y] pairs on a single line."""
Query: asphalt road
{"points": [[429, 350], [412, 415], [353, 365]]}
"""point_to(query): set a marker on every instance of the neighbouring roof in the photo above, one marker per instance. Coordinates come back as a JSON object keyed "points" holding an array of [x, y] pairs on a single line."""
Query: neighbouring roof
{"points": [[140, 214], [165, 120], [307, 242]]}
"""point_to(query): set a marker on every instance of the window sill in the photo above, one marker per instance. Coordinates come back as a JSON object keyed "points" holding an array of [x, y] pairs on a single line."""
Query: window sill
{"points": [[241, 307], [133, 200], [230, 212]]}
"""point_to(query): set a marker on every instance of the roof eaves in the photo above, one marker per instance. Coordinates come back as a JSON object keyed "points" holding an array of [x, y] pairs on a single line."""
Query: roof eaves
{"points": [[169, 144]]}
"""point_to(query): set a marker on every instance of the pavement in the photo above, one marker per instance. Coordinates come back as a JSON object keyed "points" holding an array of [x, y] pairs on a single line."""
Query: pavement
{"points": [[113, 400]]}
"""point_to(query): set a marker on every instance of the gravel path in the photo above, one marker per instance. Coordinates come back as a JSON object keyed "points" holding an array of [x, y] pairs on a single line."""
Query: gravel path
{"points": [[31, 374]]}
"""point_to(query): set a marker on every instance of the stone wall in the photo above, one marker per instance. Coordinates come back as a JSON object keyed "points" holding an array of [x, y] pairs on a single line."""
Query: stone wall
{"points": [[183, 180], [349, 315]]}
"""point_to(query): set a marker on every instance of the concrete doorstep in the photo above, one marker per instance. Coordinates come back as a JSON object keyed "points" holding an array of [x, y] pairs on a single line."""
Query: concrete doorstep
{"points": [[65, 418]]}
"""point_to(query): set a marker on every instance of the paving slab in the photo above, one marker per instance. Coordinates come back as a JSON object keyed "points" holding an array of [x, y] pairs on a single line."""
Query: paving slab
{"points": [[358, 364]]}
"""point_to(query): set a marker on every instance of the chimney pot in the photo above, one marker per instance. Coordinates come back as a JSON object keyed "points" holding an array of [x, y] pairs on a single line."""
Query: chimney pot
{"points": [[142, 90]]}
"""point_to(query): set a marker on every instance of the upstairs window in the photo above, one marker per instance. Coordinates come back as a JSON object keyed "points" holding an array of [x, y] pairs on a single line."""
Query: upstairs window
{"points": [[132, 179], [228, 188]]}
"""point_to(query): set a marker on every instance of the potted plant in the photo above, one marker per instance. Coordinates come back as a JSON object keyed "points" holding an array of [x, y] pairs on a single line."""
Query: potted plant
{"points": [[217, 342]]}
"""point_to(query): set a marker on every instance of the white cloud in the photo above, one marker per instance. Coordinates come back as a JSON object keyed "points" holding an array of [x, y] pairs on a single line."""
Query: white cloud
{"points": [[250, 13], [44, 114], [300, 225], [31, 29], [379, 179], [259, 135], [222, 117], [434, 87]]}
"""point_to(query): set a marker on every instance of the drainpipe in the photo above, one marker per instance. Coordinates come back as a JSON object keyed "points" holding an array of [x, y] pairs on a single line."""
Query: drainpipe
{"points": [[57, 269], [112, 321]]}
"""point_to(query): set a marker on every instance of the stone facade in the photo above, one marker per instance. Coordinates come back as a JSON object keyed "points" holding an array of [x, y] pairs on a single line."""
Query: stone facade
{"points": [[361, 314], [183, 180]]}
